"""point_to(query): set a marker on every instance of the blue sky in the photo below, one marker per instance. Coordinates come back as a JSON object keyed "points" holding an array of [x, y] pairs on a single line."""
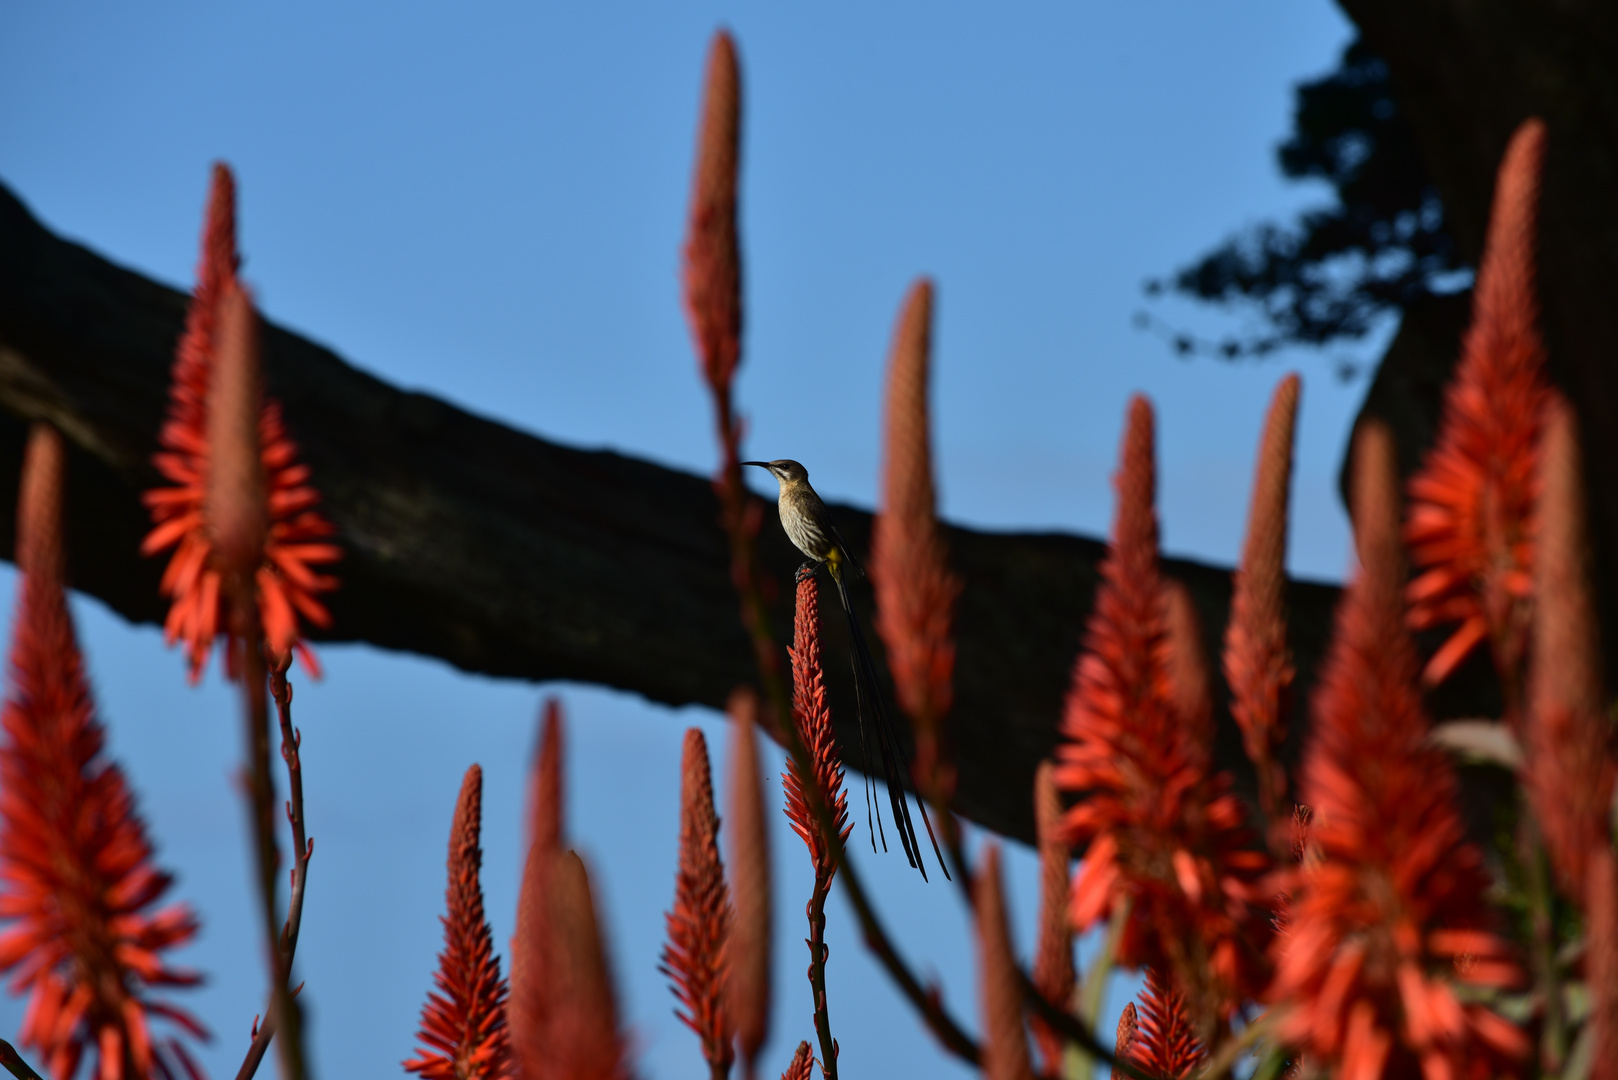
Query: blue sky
{"points": [[485, 201]]}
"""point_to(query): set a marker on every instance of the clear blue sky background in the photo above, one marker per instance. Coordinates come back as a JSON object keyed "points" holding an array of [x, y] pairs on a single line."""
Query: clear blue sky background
{"points": [[485, 201]]}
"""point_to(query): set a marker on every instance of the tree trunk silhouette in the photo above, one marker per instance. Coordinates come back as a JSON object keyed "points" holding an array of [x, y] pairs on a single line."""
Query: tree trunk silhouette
{"points": [[1468, 73], [508, 555]]}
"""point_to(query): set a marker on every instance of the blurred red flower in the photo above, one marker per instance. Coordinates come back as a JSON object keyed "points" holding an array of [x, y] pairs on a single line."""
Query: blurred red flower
{"points": [[77, 884], [1472, 508], [287, 583], [1164, 832], [1389, 913]]}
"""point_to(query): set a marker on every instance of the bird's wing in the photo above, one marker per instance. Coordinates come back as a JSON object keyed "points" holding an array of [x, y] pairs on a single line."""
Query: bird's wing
{"points": [[842, 545]]}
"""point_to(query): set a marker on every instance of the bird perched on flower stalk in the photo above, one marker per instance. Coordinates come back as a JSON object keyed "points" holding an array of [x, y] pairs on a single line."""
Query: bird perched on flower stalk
{"points": [[810, 527]]}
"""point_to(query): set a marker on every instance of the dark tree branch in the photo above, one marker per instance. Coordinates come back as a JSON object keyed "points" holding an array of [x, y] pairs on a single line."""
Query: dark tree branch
{"points": [[508, 555]]}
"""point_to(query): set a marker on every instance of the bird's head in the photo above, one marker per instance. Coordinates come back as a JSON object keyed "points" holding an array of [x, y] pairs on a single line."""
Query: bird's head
{"points": [[785, 470]]}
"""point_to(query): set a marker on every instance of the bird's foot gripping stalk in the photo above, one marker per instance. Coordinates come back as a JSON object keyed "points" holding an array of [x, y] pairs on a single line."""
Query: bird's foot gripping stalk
{"points": [[806, 571]]}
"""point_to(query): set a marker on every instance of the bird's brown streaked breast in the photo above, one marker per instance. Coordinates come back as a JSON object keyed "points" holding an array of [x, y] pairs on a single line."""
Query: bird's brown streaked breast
{"points": [[801, 514]]}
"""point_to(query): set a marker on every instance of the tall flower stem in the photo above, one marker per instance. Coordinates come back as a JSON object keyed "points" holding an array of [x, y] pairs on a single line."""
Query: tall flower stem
{"points": [[302, 849], [283, 1014], [817, 974]]}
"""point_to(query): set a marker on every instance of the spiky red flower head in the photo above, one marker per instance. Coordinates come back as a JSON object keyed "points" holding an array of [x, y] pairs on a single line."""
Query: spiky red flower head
{"points": [[77, 884], [915, 591], [713, 259], [1569, 774], [1258, 664], [1005, 1046], [696, 957], [463, 1025], [1569, 771], [748, 994], [1053, 952], [585, 1042], [802, 1064], [530, 1008], [1161, 1039], [1391, 916], [562, 1012], [813, 717], [241, 502], [1162, 833], [1471, 522]]}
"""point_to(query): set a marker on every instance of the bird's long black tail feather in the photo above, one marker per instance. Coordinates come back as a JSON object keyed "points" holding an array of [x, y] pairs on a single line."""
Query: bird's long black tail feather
{"points": [[895, 764]]}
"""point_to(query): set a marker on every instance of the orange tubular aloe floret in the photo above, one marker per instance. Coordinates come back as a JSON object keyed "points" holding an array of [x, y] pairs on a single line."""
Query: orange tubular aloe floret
{"points": [[1389, 912], [463, 1025], [78, 888], [1471, 523]]}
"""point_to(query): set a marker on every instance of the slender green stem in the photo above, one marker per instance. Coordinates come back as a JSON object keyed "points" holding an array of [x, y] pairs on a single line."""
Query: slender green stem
{"points": [[14, 1064]]}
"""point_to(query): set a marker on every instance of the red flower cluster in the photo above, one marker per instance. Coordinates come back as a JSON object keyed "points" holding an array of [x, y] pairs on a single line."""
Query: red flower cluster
{"points": [[1392, 915], [85, 936], [813, 717], [562, 1012], [915, 591], [1257, 662], [695, 958], [1159, 1038], [297, 539], [1163, 832], [463, 1025], [1472, 512]]}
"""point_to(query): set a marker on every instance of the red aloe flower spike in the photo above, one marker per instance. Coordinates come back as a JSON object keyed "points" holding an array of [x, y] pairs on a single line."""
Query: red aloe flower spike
{"points": [[1053, 955], [1258, 664], [813, 717], [1601, 962], [1187, 664], [1392, 913], [1471, 522], [585, 1042], [1568, 765], [530, 1007], [915, 591], [1128, 1032], [463, 1025], [695, 958], [813, 720], [748, 993], [80, 890], [1164, 1042], [270, 500], [802, 1065], [1005, 1047], [713, 260], [1161, 832]]}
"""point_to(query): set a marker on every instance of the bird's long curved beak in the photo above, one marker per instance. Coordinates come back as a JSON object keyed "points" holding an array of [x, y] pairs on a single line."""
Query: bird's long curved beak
{"points": [[760, 464]]}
